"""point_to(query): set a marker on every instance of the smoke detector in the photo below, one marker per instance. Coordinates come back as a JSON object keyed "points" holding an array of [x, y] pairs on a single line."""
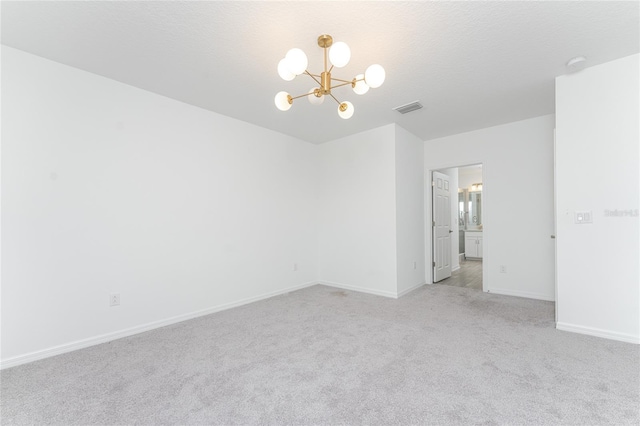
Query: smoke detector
{"points": [[576, 64]]}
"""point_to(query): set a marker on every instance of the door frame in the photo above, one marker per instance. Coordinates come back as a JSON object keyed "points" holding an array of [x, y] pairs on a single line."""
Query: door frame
{"points": [[555, 227], [486, 231]]}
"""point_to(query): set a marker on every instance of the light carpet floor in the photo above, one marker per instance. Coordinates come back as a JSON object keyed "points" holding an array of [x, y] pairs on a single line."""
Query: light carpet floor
{"points": [[323, 356]]}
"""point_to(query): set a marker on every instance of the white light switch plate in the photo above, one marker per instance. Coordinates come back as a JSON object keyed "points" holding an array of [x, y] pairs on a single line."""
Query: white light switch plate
{"points": [[585, 216]]}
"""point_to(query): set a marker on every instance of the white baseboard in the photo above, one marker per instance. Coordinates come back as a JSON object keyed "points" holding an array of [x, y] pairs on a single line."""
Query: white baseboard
{"points": [[525, 294], [96, 340], [409, 290], [455, 269], [597, 332], [360, 289]]}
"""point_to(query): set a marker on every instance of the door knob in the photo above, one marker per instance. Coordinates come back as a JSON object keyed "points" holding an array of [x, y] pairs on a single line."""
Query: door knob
{"points": [[450, 231], [553, 237]]}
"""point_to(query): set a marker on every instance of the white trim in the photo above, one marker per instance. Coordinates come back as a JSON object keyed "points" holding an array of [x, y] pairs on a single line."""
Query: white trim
{"points": [[598, 332], [455, 269], [555, 225], [103, 338], [517, 293], [410, 289], [360, 289]]}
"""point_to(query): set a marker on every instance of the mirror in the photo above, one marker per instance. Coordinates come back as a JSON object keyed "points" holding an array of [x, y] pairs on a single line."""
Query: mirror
{"points": [[461, 209], [470, 209], [475, 209]]}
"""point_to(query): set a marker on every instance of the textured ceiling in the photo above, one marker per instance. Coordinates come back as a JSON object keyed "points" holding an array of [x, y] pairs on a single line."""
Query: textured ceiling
{"points": [[471, 64]]}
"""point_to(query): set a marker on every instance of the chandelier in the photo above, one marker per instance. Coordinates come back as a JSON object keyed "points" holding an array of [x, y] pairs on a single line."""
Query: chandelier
{"points": [[338, 54]]}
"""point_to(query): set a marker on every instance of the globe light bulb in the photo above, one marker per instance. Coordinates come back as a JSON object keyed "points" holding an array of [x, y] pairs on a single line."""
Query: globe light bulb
{"points": [[345, 110], [296, 61], [339, 54], [283, 71], [361, 87], [282, 101], [313, 99], [374, 76]]}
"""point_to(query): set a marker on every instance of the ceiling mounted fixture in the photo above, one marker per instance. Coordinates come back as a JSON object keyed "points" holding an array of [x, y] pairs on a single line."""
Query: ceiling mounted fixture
{"points": [[576, 64], [411, 106], [295, 63]]}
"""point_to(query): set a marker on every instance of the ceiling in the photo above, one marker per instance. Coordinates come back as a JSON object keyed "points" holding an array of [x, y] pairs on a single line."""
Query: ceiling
{"points": [[471, 64]]}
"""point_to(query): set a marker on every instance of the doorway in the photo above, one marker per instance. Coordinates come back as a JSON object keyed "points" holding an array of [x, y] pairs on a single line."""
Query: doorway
{"points": [[457, 226]]}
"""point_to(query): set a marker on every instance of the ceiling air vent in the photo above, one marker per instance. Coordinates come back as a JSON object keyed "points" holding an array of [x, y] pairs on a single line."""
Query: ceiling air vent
{"points": [[412, 106]]}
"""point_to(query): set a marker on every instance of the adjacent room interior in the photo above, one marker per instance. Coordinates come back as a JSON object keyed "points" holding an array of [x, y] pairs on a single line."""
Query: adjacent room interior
{"points": [[231, 212], [464, 229]]}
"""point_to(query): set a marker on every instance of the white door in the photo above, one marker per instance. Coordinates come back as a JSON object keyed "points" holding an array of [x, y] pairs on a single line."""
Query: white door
{"points": [[441, 227]]}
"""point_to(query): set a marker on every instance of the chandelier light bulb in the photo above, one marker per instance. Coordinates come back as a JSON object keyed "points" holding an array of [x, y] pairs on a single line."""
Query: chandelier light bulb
{"points": [[345, 110], [282, 101], [360, 87], [313, 99], [374, 76], [339, 54], [283, 71], [296, 61]]}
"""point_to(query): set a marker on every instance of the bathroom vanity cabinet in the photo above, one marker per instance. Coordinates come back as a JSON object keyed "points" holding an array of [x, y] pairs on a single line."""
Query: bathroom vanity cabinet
{"points": [[473, 244]]}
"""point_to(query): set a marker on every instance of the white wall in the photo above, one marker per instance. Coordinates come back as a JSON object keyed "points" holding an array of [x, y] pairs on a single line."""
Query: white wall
{"points": [[110, 189], [409, 168], [517, 161], [597, 161], [468, 176], [357, 212]]}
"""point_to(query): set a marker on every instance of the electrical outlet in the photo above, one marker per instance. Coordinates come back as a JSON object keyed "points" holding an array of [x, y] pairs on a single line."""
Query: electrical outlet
{"points": [[503, 269], [114, 299]]}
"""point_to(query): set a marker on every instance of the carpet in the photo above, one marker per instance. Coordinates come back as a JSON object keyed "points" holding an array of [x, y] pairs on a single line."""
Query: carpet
{"points": [[323, 356]]}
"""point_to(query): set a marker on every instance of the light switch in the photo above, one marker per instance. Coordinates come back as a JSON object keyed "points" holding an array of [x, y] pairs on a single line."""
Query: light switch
{"points": [[583, 217]]}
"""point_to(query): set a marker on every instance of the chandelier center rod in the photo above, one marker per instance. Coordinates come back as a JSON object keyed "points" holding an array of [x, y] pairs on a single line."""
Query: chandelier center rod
{"points": [[326, 82]]}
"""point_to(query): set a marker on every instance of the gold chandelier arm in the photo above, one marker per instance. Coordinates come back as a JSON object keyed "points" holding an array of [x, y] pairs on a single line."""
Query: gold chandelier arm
{"points": [[343, 84], [313, 76], [331, 69], [334, 98], [344, 81], [301, 96]]}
